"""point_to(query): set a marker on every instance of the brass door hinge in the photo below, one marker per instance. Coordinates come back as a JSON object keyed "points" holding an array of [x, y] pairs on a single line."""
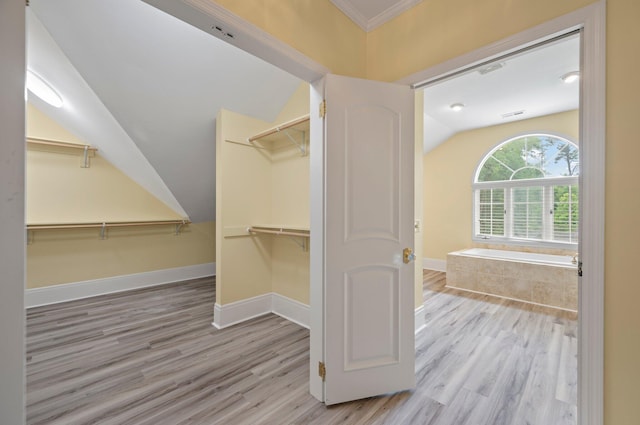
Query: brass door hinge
{"points": [[27, 2], [322, 370], [323, 108]]}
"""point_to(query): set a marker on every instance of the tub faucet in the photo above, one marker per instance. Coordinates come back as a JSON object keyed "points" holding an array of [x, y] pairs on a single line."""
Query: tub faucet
{"points": [[574, 259]]}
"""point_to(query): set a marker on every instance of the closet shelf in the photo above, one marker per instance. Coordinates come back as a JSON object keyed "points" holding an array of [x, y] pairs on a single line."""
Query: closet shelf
{"points": [[290, 232], [277, 230], [58, 144], [104, 225], [286, 131]]}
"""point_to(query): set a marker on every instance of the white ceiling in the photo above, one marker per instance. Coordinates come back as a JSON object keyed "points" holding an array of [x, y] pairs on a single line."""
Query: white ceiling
{"points": [[163, 82], [528, 82], [369, 14]]}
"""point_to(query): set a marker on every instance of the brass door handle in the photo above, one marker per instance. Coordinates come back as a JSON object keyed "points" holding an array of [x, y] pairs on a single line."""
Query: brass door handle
{"points": [[408, 255]]}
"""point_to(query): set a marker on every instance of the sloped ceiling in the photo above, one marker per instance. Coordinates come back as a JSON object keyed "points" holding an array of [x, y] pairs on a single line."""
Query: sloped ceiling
{"points": [[521, 86], [163, 82]]}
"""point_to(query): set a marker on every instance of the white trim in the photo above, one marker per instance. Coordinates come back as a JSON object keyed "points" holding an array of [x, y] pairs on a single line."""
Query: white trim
{"points": [[317, 241], [290, 309], [388, 14], [592, 217], [591, 19], [434, 264], [206, 15], [90, 288], [240, 311], [420, 322], [237, 312]]}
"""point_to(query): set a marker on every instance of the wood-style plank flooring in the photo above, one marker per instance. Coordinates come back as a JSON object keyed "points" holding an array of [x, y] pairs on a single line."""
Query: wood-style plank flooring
{"points": [[151, 357]]}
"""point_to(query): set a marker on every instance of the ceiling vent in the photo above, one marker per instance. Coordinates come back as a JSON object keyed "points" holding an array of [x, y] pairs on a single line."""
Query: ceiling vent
{"points": [[512, 114]]}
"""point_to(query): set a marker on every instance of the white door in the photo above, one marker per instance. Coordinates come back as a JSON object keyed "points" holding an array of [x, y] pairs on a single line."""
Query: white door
{"points": [[368, 222]]}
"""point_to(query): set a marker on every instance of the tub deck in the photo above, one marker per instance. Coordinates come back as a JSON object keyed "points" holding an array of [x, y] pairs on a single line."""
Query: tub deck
{"points": [[549, 280]]}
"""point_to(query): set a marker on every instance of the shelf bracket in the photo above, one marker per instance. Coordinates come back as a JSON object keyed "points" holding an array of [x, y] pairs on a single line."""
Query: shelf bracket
{"points": [[29, 237], [303, 245], [301, 146], [179, 227], [85, 158], [103, 231]]}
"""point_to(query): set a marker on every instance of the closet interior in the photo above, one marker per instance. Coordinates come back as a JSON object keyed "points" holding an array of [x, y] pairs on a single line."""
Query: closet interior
{"points": [[262, 209]]}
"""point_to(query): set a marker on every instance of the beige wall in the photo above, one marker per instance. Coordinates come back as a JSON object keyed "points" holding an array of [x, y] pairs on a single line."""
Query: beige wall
{"points": [[622, 316], [314, 27], [40, 126], [449, 171], [64, 256], [260, 187], [438, 30], [60, 191]]}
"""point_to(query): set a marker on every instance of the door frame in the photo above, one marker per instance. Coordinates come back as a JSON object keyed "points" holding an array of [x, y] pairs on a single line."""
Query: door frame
{"points": [[591, 20]]}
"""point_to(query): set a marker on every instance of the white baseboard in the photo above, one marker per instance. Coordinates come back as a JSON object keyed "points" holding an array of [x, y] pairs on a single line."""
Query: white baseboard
{"points": [[239, 311], [233, 313], [420, 322], [434, 264], [292, 310], [90, 288]]}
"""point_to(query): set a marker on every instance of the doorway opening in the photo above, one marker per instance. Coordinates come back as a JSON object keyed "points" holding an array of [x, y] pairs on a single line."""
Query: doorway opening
{"points": [[501, 231]]}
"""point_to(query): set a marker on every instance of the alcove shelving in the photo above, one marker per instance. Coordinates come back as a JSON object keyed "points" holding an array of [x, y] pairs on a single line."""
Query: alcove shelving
{"points": [[294, 132], [262, 202]]}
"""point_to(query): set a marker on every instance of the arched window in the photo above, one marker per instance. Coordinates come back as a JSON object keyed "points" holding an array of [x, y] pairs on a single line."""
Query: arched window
{"points": [[526, 190]]}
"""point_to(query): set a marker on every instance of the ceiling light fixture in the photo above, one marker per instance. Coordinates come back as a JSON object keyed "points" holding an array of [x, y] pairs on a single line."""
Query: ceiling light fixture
{"points": [[39, 87], [457, 106], [570, 77]]}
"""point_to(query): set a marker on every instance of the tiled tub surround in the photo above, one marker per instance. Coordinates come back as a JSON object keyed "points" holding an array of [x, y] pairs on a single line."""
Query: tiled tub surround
{"points": [[539, 278]]}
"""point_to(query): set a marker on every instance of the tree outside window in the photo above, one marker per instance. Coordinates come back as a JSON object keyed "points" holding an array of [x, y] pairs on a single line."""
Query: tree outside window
{"points": [[527, 189]]}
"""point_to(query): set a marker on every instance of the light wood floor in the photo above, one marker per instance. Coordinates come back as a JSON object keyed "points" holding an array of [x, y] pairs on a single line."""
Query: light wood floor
{"points": [[152, 357]]}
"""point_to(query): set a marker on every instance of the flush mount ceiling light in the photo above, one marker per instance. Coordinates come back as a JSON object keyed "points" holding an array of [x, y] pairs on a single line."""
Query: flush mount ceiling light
{"points": [[39, 87], [456, 106], [570, 77]]}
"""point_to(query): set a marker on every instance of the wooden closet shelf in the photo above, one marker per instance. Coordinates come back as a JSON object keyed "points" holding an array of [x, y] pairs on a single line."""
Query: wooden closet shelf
{"points": [[300, 124], [284, 231], [59, 144], [104, 224]]}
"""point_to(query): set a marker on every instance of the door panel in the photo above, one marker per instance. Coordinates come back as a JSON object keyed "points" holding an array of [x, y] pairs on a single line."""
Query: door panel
{"points": [[365, 186], [368, 200]]}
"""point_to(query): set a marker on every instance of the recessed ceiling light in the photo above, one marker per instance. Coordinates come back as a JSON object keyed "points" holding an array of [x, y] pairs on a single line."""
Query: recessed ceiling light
{"points": [[570, 77], [457, 106], [39, 87]]}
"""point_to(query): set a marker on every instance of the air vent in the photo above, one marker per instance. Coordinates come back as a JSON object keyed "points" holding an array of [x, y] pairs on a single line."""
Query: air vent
{"points": [[222, 32], [491, 67], [512, 114]]}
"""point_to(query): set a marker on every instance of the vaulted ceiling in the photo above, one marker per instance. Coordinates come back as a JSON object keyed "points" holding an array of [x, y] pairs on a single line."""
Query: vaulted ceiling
{"points": [[145, 88]]}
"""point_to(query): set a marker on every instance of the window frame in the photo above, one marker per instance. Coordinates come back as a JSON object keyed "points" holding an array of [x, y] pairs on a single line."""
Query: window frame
{"points": [[546, 183]]}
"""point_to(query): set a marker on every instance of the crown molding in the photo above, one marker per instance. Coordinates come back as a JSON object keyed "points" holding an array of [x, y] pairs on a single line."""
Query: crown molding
{"points": [[368, 25]]}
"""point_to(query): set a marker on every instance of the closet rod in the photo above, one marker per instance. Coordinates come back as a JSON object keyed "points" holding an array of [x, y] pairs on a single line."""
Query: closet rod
{"points": [[302, 233], [60, 144], [279, 128], [102, 225]]}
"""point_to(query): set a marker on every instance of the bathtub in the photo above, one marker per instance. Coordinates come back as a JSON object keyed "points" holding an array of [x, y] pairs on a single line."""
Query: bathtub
{"points": [[545, 279]]}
